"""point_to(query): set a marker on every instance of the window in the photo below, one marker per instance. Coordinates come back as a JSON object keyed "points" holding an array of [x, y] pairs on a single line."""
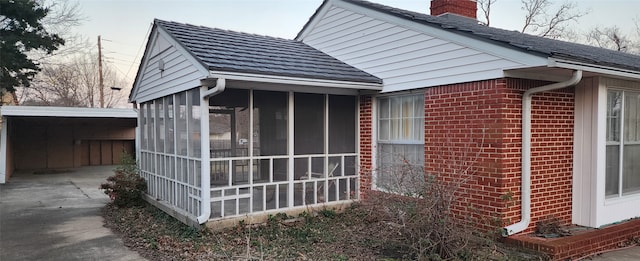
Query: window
{"points": [[400, 144], [623, 143]]}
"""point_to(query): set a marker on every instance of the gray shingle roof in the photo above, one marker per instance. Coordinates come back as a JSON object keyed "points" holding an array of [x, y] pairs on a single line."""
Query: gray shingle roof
{"points": [[529, 43], [229, 51]]}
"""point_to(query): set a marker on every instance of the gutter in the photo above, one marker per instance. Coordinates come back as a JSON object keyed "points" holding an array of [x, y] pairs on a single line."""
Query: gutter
{"points": [[526, 151], [209, 87], [216, 87]]}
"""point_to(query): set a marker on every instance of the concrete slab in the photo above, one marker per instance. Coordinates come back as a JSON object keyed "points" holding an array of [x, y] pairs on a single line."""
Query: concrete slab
{"points": [[57, 217], [627, 254]]}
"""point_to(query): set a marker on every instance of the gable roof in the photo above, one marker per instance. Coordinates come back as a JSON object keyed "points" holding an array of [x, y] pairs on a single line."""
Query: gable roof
{"points": [[536, 45], [228, 51]]}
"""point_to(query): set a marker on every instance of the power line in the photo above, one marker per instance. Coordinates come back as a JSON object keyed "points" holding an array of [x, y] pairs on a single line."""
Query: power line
{"points": [[138, 53]]}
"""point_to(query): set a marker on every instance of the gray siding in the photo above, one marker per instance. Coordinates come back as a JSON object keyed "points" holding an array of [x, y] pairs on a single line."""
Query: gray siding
{"points": [[404, 58], [181, 72]]}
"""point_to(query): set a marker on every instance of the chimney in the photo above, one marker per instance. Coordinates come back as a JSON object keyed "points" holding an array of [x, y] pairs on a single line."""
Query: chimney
{"points": [[467, 8]]}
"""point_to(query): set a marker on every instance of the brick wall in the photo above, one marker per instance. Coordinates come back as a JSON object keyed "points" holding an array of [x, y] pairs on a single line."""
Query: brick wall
{"points": [[366, 145], [473, 134], [551, 152]]}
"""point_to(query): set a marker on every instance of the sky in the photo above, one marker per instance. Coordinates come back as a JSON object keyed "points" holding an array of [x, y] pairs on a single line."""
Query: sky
{"points": [[124, 25]]}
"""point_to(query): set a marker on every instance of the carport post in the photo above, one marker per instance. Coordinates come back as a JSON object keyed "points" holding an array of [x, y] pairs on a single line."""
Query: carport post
{"points": [[3, 151]]}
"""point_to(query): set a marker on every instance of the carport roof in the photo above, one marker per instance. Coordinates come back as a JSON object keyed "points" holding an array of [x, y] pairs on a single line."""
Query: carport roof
{"points": [[47, 111]]}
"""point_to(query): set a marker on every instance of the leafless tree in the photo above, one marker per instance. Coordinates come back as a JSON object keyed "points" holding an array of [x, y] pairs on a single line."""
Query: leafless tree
{"points": [[72, 84], [541, 22], [608, 37], [64, 16], [541, 19], [613, 37], [485, 6]]}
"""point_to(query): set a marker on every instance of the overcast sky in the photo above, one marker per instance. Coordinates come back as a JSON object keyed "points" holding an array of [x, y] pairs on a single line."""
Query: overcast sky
{"points": [[124, 24]]}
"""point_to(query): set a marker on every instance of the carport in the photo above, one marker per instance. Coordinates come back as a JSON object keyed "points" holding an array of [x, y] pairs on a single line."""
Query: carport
{"points": [[46, 138]]}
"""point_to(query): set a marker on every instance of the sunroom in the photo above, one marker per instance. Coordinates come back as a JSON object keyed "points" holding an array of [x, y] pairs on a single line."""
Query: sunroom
{"points": [[233, 124]]}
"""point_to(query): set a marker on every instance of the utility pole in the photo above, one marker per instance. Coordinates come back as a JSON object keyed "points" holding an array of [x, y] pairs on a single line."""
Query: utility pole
{"points": [[100, 73]]}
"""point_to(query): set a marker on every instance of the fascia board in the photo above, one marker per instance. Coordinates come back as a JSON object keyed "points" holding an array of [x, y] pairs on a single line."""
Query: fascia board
{"points": [[73, 112], [294, 80], [559, 63]]}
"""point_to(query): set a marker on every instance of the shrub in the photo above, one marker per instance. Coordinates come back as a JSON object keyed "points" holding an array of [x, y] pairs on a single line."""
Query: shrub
{"points": [[419, 208], [126, 187]]}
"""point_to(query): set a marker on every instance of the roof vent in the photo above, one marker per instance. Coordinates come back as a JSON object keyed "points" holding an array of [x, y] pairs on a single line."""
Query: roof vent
{"points": [[467, 8]]}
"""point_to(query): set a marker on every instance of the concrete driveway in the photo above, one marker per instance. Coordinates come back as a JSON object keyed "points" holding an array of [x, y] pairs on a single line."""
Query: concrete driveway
{"points": [[56, 216]]}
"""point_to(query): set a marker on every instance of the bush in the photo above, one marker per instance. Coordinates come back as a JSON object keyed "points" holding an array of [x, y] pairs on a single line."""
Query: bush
{"points": [[126, 187], [418, 212]]}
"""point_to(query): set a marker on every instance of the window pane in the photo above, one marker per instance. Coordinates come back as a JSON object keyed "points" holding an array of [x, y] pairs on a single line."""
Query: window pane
{"points": [[384, 108], [401, 168], [383, 130], [631, 169], [614, 107], [406, 121], [631, 117], [612, 170], [309, 123], [270, 124], [342, 124], [396, 107]]}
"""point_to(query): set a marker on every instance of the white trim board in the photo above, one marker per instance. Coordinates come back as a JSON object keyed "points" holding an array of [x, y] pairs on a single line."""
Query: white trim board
{"points": [[76, 112]]}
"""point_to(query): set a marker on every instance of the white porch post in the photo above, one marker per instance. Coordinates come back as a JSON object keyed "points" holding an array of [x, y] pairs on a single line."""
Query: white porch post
{"points": [[205, 158], [290, 150], [3, 151]]}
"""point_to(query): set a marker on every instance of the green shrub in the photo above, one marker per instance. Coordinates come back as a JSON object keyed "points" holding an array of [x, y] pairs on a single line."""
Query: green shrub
{"points": [[126, 187]]}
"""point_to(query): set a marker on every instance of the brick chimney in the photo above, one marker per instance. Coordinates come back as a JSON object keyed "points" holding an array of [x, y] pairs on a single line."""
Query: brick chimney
{"points": [[467, 8]]}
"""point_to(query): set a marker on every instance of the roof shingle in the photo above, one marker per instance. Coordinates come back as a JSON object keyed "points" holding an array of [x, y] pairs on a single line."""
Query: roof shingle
{"points": [[229, 51]]}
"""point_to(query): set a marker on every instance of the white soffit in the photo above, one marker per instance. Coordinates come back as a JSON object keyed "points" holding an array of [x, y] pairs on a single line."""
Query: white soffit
{"points": [[77, 112]]}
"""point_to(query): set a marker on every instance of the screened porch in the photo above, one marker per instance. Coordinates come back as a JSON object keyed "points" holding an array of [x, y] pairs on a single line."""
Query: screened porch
{"points": [[267, 150]]}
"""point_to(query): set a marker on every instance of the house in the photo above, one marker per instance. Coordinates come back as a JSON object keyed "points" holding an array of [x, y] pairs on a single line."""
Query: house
{"points": [[42, 138], [548, 127]]}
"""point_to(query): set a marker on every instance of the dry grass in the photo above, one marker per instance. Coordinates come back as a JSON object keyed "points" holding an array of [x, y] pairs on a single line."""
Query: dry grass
{"points": [[356, 234]]}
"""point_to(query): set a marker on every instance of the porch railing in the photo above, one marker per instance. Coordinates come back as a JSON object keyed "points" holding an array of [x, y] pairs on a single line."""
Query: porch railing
{"points": [[244, 185]]}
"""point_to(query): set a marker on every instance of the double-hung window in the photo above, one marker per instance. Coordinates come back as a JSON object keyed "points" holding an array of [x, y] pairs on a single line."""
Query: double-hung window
{"points": [[623, 143], [400, 144]]}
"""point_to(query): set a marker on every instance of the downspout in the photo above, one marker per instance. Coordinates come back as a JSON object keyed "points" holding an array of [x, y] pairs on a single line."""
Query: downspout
{"points": [[216, 88], [208, 88], [526, 151]]}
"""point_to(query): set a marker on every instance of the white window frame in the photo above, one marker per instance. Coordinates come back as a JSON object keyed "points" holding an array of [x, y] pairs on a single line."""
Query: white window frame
{"points": [[377, 164], [620, 144]]}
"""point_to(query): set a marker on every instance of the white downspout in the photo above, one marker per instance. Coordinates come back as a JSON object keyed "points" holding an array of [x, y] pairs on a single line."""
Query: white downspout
{"points": [[216, 88], [526, 151]]}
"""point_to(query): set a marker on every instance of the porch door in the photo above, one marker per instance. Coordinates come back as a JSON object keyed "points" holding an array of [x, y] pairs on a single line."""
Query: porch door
{"points": [[221, 145]]}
